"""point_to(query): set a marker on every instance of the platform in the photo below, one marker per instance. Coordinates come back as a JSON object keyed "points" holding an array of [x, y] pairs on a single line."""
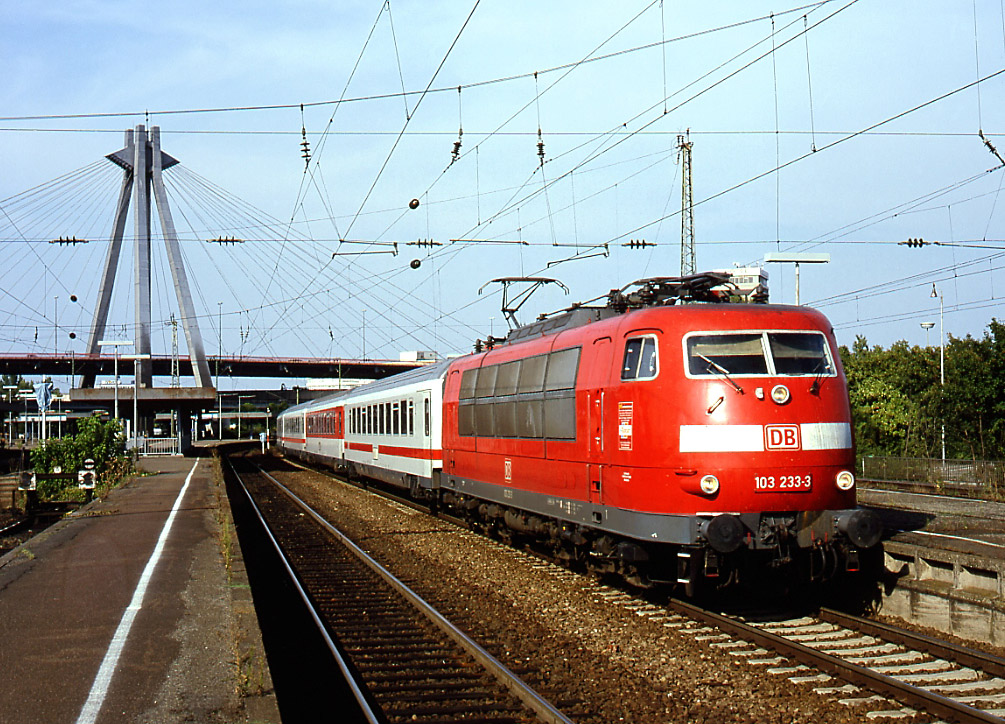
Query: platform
{"points": [[134, 609]]}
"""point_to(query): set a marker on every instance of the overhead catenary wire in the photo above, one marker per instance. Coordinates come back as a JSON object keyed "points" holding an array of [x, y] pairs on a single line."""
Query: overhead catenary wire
{"points": [[385, 96]]}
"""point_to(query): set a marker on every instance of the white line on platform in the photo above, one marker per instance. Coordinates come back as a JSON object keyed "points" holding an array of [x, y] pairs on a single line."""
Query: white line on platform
{"points": [[104, 678], [955, 537]]}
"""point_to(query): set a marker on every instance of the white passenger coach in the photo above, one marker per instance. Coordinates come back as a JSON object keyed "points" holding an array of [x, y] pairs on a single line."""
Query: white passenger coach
{"points": [[388, 430]]}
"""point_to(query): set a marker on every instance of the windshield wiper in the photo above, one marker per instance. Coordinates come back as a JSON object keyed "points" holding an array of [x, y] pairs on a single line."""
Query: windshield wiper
{"points": [[819, 370], [723, 372]]}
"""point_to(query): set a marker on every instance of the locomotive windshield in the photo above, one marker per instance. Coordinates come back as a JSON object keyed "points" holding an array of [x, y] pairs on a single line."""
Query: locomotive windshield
{"points": [[759, 353]]}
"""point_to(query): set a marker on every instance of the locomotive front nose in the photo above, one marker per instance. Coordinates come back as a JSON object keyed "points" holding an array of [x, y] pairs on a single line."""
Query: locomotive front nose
{"points": [[862, 527], [723, 532]]}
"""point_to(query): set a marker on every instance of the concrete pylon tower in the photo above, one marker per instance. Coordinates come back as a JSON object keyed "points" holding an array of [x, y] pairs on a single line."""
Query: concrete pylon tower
{"points": [[143, 164]]}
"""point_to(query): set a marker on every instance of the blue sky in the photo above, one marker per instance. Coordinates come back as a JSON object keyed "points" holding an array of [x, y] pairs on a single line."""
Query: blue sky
{"points": [[77, 74]]}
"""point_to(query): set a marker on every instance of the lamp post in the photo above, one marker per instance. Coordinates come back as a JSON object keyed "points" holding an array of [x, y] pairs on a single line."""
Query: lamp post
{"points": [[219, 354], [942, 363], [927, 326], [797, 258], [26, 395], [115, 344], [136, 396], [10, 414]]}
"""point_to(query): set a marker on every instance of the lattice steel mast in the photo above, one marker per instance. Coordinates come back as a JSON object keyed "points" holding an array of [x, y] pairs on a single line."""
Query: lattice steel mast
{"points": [[687, 260]]}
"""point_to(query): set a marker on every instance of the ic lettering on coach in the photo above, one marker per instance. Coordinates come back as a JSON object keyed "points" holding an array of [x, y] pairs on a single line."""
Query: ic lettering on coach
{"points": [[781, 437]]}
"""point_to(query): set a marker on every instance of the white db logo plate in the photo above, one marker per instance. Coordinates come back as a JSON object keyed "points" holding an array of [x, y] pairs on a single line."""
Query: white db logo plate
{"points": [[781, 437]]}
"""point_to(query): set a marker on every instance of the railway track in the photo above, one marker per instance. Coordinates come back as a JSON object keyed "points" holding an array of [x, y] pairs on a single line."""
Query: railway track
{"points": [[889, 670], [405, 662], [880, 670]]}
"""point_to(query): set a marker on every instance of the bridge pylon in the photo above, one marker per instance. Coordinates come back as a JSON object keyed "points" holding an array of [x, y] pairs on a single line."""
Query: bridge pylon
{"points": [[143, 162]]}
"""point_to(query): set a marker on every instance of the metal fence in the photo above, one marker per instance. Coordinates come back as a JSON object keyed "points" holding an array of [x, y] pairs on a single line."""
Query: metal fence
{"points": [[155, 445], [967, 477]]}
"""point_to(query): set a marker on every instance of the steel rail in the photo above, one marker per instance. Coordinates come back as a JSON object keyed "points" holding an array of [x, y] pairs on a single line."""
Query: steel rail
{"points": [[367, 711], [530, 698], [929, 701]]}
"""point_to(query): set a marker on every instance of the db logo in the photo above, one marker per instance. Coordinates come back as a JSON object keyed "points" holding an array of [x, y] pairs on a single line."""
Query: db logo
{"points": [[508, 470], [781, 437]]}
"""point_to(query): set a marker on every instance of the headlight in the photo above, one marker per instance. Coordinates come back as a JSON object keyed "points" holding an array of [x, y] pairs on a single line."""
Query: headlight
{"points": [[710, 485], [780, 394], [845, 480]]}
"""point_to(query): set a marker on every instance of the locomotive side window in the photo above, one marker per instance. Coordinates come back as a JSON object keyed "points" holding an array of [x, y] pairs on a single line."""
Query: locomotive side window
{"points": [[505, 419], [468, 382], [532, 374], [484, 420], [486, 381], [562, 368], [466, 420], [507, 378], [530, 418], [532, 398], [641, 361], [560, 418]]}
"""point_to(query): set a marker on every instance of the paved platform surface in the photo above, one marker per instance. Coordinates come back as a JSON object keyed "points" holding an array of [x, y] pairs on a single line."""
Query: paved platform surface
{"points": [[966, 525], [129, 612]]}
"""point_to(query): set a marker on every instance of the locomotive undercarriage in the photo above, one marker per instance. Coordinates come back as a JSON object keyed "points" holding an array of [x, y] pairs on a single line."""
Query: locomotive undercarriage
{"points": [[727, 551], [800, 548]]}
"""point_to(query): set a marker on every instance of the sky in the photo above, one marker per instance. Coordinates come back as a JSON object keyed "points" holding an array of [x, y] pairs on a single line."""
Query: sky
{"points": [[842, 128]]}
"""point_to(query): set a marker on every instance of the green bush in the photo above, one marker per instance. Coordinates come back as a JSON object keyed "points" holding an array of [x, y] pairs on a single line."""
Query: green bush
{"points": [[100, 440]]}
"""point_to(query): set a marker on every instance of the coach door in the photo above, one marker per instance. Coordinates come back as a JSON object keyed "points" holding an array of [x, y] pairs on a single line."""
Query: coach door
{"points": [[424, 426]]}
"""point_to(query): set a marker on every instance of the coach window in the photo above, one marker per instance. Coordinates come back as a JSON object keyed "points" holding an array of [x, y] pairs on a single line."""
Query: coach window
{"points": [[411, 417], [641, 361], [425, 415]]}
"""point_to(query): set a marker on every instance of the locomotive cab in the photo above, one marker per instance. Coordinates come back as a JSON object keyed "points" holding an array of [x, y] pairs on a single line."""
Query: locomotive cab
{"points": [[737, 416]]}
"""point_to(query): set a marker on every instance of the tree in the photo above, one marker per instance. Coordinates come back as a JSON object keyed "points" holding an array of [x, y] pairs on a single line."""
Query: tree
{"points": [[99, 440], [899, 405]]}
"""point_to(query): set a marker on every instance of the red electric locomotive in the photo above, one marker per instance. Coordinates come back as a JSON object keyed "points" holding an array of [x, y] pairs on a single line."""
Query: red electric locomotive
{"points": [[663, 440]]}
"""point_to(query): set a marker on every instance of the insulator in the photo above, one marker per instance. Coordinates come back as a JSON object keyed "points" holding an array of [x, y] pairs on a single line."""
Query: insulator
{"points": [[456, 153], [413, 204], [305, 146]]}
